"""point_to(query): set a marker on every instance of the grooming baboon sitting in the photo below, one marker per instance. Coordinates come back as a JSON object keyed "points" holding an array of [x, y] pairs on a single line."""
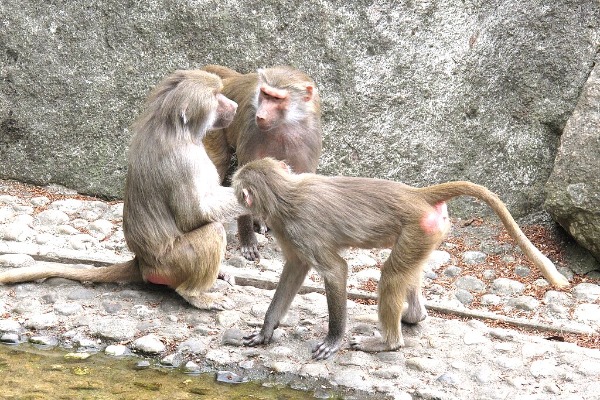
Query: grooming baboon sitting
{"points": [[173, 199]]}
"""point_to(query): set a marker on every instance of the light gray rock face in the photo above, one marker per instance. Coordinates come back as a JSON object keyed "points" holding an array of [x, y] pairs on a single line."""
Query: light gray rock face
{"points": [[421, 92], [574, 188]]}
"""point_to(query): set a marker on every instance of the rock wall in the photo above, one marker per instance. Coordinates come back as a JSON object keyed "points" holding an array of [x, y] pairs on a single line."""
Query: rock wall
{"points": [[573, 189], [418, 91]]}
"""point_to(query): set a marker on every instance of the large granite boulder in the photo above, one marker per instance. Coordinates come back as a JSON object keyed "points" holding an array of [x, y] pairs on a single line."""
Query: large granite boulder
{"points": [[418, 91], [573, 189]]}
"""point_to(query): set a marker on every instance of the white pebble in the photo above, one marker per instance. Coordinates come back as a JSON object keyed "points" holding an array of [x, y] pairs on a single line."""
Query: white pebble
{"points": [[16, 260], [102, 227], [6, 213], [66, 230], [52, 217], [83, 242], [149, 344], [8, 199], [39, 201], [69, 206], [115, 350], [17, 232]]}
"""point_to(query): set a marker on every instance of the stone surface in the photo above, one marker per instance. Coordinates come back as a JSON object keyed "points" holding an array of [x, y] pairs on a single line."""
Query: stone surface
{"points": [[442, 358], [9, 326], [474, 257], [149, 344], [526, 303], [413, 91], [16, 260], [507, 286], [587, 291], [116, 350], [574, 188], [470, 283], [10, 338]]}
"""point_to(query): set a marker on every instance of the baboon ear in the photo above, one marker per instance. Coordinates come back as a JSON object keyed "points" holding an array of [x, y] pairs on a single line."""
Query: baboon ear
{"points": [[309, 93], [247, 197], [285, 167], [261, 73]]}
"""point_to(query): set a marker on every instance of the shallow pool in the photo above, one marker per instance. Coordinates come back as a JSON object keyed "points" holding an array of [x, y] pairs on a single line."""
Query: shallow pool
{"points": [[30, 373]]}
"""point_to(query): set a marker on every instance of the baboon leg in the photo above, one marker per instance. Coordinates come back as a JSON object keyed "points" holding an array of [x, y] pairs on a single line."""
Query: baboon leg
{"points": [[248, 241], [194, 263], [415, 311], [291, 280], [208, 244], [400, 279], [335, 277]]}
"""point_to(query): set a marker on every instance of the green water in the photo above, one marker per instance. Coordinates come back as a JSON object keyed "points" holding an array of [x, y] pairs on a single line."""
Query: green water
{"points": [[28, 373]]}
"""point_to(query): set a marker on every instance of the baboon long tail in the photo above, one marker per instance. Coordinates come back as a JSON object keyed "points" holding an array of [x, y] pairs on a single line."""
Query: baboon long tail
{"points": [[446, 191], [122, 272]]}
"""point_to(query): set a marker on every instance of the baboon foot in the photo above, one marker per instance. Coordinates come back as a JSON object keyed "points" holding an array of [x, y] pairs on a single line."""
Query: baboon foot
{"points": [[210, 301], [371, 344], [255, 339], [250, 251], [326, 348]]}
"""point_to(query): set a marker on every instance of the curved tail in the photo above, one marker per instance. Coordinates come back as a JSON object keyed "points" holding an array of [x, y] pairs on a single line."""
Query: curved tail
{"points": [[122, 272], [445, 191], [222, 72]]}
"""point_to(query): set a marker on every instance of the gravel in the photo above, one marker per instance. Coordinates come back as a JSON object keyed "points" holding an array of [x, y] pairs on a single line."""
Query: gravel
{"points": [[453, 357]]}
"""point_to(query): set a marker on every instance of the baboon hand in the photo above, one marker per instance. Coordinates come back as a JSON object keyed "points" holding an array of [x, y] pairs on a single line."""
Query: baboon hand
{"points": [[326, 348], [262, 228]]}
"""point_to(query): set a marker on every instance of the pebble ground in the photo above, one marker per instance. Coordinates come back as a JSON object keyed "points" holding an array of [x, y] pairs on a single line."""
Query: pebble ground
{"points": [[480, 291]]}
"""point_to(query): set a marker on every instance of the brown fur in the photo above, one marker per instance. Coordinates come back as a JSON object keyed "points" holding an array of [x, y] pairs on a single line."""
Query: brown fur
{"points": [[173, 200], [313, 217], [294, 136]]}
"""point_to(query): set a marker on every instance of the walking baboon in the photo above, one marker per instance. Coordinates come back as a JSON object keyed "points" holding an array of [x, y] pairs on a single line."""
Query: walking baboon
{"points": [[279, 116], [313, 217], [173, 200]]}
